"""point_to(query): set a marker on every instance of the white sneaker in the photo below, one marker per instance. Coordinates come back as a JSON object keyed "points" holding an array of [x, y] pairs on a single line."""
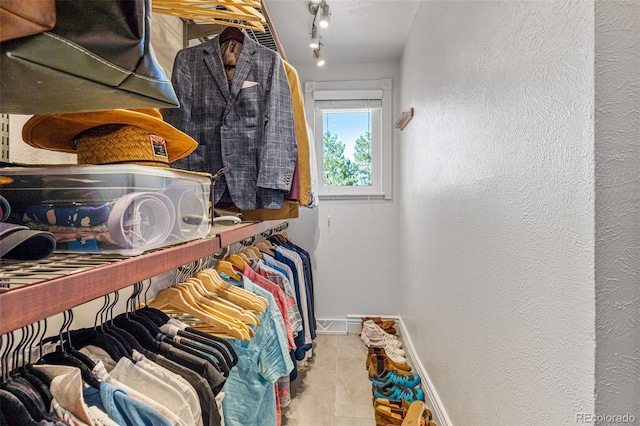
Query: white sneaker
{"points": [[395, 356], [375, 341], [376, 332]]}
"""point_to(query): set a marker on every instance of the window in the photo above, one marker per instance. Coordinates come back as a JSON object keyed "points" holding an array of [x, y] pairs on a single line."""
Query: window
{"points": [[350, 123]]}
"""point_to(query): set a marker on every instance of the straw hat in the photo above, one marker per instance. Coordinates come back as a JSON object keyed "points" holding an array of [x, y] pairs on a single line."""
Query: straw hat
{"points": [[138, 136]]}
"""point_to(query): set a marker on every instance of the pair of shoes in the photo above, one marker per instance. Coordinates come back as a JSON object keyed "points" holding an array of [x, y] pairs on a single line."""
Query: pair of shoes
{"points": [[417, 414], [384, 361], [398, 392], [391, 377], [372, 338], [386, 325], [375, 332], [394, 352], [407, 414], [398, 405]]}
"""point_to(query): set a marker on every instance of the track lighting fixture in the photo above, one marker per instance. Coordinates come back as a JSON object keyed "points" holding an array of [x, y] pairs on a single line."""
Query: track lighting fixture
{"points": [[314, 43], [318, 57], [322, 14]]}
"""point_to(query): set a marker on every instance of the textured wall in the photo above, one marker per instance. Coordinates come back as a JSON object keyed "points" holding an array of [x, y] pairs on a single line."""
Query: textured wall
{"points": [[497, 222], [617, 207]]}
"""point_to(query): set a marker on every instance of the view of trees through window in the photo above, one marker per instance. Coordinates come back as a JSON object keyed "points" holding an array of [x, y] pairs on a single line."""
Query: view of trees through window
{"points": [[346, 151]]}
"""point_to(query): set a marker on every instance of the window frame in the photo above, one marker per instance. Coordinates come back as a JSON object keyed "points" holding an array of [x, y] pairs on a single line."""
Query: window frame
{"points": [[375, 90]]}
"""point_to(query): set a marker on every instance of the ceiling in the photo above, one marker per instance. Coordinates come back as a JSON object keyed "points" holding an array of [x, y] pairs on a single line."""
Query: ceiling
{"points": [[359, 31]]}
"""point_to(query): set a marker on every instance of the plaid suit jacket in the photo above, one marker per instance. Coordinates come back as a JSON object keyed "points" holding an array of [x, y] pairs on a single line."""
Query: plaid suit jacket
{"points": [[247, 127]]}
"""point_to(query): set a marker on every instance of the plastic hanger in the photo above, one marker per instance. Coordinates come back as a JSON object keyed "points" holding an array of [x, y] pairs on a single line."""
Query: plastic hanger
{"points": [[227, 267], [235, 294], [266, 247], [213, 300], [173, 298], [244, 257], [253, 253], [62, 357], [210, 305]]}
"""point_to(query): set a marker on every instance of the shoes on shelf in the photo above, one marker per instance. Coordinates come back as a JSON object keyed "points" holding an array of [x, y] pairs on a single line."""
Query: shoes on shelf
{"points": [[398, 392], [390, 377]]}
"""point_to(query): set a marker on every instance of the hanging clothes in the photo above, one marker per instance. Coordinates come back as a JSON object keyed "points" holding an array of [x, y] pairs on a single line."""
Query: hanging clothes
{"points": [[250, 389], [300, 194], [246, 126], [149, 367]]}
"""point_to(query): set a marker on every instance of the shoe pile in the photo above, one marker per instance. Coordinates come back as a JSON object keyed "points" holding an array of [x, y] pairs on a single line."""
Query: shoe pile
{"points": [[401, 413], [385, 349], [398, 398]]}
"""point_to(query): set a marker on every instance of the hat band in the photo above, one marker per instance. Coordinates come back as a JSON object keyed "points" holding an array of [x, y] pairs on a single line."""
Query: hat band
{"points": [[121, 144]]}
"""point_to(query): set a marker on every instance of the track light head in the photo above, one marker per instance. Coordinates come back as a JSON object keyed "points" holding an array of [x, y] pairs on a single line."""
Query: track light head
{"points": [[318, 57], [325, 15]]}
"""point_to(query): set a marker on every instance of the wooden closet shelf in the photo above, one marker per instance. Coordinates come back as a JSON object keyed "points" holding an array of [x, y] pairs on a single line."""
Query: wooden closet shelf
{"points": [[31, 291]]}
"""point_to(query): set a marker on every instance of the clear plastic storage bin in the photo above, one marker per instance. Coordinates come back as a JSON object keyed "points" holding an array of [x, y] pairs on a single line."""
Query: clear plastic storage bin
{"points": [[124, 209]]}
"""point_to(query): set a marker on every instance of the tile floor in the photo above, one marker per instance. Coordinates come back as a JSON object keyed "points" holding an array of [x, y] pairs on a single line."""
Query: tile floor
{"points": [[334, 390]]}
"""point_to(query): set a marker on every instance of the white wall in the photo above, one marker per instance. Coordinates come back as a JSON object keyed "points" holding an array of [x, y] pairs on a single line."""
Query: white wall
{"points": [[497, 216], [617, 207], [354, 244]]}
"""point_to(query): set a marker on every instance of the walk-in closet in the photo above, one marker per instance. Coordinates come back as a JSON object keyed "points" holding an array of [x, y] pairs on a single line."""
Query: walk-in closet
{"points": [[319, 212]]}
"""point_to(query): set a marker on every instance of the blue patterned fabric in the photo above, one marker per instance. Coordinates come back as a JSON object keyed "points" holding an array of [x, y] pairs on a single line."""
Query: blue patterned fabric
{"points": [[121, 408], [250, 397], [76, 216]]}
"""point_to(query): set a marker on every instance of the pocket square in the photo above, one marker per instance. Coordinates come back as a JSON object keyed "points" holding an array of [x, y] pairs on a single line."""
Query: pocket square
{"points": [[248, 83]]}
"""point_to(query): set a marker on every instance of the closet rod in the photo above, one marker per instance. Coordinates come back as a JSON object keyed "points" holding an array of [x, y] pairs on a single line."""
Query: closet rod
{"points": [[27, 304]]}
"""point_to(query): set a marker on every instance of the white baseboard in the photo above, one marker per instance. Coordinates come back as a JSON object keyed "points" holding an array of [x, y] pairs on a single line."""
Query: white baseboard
{"points": [[433, 401], [352, 324]]}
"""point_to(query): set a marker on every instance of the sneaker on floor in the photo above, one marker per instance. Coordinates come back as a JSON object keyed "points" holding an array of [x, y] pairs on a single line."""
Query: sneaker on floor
{"points": [[392, 378], [374, 331], [372, 340], [398, 392]]}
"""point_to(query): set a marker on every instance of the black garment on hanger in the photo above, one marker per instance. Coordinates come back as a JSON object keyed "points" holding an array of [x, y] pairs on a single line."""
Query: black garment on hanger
{"points": [[162, 345], [96, 337], [28, 397], [37, 384], [62, 357], [155, 315], [13, 411], [225, 347], [127, 338], [44, 377]]}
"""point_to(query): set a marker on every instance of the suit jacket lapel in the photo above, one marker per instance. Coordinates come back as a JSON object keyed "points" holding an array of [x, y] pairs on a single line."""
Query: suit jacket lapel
{"points": [[214, 63], [243, 66]]}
